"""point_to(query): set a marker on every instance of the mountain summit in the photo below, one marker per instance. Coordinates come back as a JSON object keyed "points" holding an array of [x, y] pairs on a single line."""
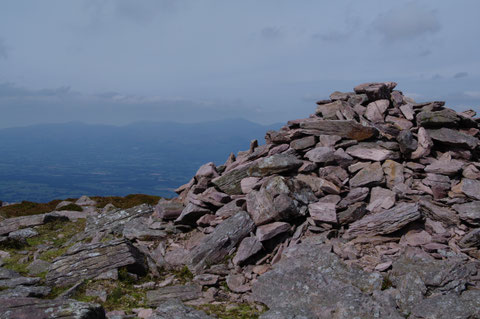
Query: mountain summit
{"points": [[369, 208]]}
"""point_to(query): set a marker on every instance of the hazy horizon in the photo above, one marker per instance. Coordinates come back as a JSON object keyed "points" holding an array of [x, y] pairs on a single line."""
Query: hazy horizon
{"points": [[117, 62]]}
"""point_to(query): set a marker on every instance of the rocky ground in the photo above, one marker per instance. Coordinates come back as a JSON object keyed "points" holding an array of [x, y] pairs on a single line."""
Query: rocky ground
{"points": [[370, 208]]}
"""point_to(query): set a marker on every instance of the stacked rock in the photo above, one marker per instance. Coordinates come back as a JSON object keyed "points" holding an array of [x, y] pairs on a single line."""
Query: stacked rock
{"points": [[369, 163]]}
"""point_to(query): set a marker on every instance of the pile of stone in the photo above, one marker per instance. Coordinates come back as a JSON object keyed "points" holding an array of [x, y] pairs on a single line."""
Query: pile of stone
{"points": [[372, 172], [369, 208]]}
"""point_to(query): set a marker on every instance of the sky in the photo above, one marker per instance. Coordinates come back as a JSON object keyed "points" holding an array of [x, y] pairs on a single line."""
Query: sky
{"points": [[122, 61]]}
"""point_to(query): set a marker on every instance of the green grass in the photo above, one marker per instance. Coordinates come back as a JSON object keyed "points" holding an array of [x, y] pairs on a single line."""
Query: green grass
{"points": [[386, 283], [183, 274]]}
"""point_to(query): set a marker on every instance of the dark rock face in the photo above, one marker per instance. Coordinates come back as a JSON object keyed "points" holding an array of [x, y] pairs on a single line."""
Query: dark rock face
{"points": [[183, 293], [77, 263], [26, 308]]}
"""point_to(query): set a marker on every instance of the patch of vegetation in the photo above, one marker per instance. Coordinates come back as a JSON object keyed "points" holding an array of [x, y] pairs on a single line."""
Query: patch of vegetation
{"points": [[386, 283], [13, 263], [183, 274], [27, 208], [128, 201], [232, 311], [72, 207], [56, 233]]}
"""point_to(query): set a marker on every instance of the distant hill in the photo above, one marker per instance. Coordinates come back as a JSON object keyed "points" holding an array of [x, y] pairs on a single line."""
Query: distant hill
{"points": [[45, 162]]}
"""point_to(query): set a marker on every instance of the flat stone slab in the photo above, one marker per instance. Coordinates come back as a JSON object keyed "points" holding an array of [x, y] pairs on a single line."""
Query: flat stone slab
{"points": [[371, 151], [469, 212], [27, 308], [344, 128], [12, 224], [385, 222], [371, 174], [453, 137], [180, 292], [85, 261]]}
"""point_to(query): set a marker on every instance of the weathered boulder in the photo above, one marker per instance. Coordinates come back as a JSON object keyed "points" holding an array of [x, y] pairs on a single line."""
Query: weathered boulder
{"points": [[452, 137], [190, 214], [25, 308], [275, 164], [471, 239], [469, 187], [229, 182], [85, 261], [469, 212], [445, 117], [376, 110], [323, 212], [310, 280], [385, 222], [269, 231], [215, 246], [248, 248], [168, 209], [367, 176]]}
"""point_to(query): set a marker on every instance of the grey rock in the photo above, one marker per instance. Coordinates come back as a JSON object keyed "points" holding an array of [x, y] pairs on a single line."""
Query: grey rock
{"points": [[248, 248], [470, 187], [25, 291], [23, 234], [321, 154], [375, 90], [85, 261], [179, 292], [138, 229], [168, 209], [439, 213], [369, 175], [322, 212], [229, 182], [85, 201], [6, 273], [19, 281], [23, 308], [469, 212], [407, 142], [230, 209], [337, 110], [445, 117], [448, 306], [385, 222], [12, 224], [453, 137], [381, 199], [215, 246], [346, 129], [208, 170], [317, 284], [439, 184], [275, 164], [445, 166], [424, 145], [236, 283], [175, 309], [38, 266], [376, 110], [355, 195]]}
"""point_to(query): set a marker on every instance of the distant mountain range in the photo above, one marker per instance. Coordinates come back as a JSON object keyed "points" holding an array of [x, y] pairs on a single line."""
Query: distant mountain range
{"points": [[45, 162]]}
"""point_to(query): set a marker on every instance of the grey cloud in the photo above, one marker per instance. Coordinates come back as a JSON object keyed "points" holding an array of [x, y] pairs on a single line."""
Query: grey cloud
{"points": [[271, 33], [437, 77], [332, 36], [406, 22], [460, 75], [143, 11], [3, 49]]}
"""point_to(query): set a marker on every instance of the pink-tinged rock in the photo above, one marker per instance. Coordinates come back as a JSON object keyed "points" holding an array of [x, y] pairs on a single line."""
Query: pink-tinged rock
{"points": [[424, 146], [385, 222], [399, 122], [438, 212], [275, 164], [347, 129], [469, 212], [321, 154], [376, 90], [357, 166], [323, 212], [319, 185], [381, 199], [303, 143], [328, 140], [334, 174], [471, 172], [371, 151], [248, 248], [383, 266], [355, 195], [208, 170], [307, 167], [417, 238], [206, 220], [376, 110], [445, 166], [434, 226], [407, 111], [268, 231], [143, 312], [230, 209], [248, 184], [369, 175], [434, 247], [439, 184], [337, 110], [469, 187], [278, 149], [236, 283], [394, 173]]}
